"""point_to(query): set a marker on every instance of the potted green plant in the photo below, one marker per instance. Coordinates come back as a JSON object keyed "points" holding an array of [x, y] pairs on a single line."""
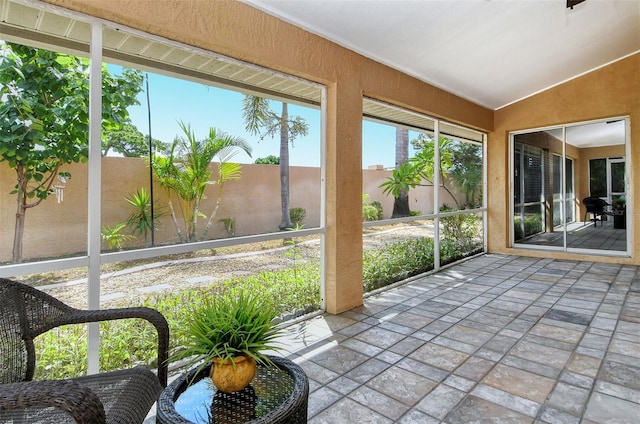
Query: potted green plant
{"points": [[231, 331], [619, 212]]}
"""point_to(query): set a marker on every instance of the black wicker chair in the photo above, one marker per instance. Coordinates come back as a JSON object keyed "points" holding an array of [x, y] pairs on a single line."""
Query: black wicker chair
{"points": [[123, 396], [597, 207]]}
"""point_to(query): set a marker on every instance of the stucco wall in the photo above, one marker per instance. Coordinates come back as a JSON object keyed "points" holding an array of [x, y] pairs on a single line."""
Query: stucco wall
{"points": [[236, 30], [55, 229], [610, 91]]}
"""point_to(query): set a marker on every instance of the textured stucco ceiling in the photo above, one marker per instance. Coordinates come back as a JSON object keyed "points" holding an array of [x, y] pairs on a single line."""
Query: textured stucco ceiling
{"points": [[488, 51], [491, 52]]}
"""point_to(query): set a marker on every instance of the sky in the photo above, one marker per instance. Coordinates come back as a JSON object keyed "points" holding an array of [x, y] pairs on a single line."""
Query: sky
{"points": [[203, 107]]}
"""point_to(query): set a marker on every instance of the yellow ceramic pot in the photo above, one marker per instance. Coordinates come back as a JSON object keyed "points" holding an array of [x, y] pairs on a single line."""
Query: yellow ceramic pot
{"points": [[229, 378]]}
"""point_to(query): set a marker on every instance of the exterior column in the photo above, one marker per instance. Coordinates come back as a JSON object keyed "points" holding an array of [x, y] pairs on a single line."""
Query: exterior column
{"points": [[343, 237]]}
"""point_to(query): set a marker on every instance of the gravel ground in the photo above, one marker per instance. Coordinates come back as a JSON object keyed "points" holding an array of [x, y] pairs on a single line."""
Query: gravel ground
{"points": [[131, 286]]}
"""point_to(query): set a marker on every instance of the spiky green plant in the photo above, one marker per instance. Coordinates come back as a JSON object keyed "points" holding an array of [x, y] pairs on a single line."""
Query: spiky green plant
{"points": [[233, 324]]}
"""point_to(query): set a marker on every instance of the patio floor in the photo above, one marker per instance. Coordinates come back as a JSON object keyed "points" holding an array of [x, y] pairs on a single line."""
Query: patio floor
{"points": [[494, 339]]}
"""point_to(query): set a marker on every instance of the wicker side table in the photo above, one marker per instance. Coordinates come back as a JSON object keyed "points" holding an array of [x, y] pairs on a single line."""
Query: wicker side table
{"points": [[276, 395]]}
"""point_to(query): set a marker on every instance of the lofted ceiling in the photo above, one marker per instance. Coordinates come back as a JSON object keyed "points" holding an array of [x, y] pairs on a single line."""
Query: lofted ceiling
{"points": [[492, 52]]}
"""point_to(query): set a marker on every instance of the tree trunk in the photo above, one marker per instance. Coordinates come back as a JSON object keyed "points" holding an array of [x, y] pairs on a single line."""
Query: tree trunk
{"points": [[22, 198], [401, 203], [213, 214], [18, 231], [21, 209], [284, 169], [175, 221]]}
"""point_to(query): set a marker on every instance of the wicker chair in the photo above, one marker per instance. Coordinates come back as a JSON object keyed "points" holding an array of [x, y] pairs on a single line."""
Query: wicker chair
{"points": [[597, 207], [123, 396]]}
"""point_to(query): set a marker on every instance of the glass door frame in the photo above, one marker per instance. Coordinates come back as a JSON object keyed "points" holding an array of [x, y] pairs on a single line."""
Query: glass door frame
{"points": [[627, 184]]}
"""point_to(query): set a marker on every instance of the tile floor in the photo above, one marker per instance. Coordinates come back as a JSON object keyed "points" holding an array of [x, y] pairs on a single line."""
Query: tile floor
{"points": [[496, 339]]}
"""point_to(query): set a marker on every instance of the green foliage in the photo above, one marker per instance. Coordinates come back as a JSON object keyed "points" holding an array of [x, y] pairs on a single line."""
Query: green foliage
{"points": [[229, 225], [114, 238], [532, 225], [619, 202], [269, 160], [61, 353], [185, 174], [403, 178], [297, 216], [293, 252], [370, 212], [133, 342], [44, 121], [396, 262], [463, 230], [376, 204], [140, 221], [129, 142], [415, 213], [290, 292], [460, 163], [450, 252], [260, 119], [232, 324]]}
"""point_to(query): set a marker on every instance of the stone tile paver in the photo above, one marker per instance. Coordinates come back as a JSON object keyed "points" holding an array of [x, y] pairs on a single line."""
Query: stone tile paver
{"points": [[439, 356], [476, 410], [494, 339], [402, 385], [608, 409], [522, 383]]}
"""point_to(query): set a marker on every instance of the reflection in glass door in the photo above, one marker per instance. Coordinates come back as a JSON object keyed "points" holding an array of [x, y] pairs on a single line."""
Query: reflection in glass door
{"points": [[568, 195], [616, 178], [606, 179], [528, 203], [554, 171]]}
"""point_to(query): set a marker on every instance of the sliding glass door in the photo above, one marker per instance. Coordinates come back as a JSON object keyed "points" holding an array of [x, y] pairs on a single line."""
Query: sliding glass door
{"points": [[554, 171]]}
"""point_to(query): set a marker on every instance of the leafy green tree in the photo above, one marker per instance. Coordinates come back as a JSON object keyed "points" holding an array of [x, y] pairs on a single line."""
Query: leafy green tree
{"points": [[269, 160], [44, 119], [260, 119], [128, 141], [460, 163], [185, 173], [466, 171]]}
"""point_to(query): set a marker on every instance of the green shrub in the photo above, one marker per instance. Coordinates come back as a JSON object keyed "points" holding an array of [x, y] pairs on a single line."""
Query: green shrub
{"points": [[114, 238], [464, 231], [293, 291], [532, 225], [129, 342], [396, 262], [378, 207], [371, 211], [229, 226], [297, 216], [268, 160]]}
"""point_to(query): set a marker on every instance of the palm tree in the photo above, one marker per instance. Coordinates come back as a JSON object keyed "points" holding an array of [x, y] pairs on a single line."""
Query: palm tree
{"points": [[258, 116], [186, 173], [401, 202], [421, 167]]}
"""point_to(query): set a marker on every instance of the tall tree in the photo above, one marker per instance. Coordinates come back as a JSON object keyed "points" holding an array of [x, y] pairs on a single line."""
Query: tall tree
{"points": [[44, 119], [260, 119], [401, 202], [128, 141], [186, 173], [460, 165]]}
